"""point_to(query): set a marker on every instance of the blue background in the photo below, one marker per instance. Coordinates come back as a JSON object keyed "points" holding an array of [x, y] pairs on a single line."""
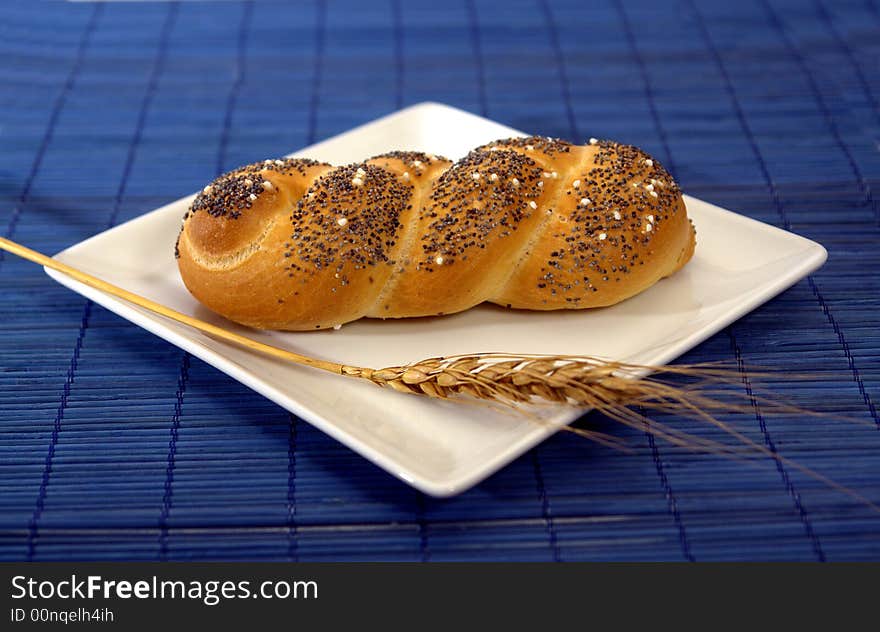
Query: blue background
{"points": [[116, 445]]}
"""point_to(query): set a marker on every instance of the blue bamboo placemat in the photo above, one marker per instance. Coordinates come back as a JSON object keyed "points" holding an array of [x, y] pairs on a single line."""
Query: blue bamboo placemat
{"points": [[116, 445]]}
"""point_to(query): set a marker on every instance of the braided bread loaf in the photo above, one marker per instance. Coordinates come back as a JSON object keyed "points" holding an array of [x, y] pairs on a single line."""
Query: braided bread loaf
{"points": [[530, 223]]}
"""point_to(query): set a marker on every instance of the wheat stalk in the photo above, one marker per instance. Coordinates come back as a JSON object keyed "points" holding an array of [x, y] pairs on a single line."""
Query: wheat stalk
{"points": [[613, 388]]}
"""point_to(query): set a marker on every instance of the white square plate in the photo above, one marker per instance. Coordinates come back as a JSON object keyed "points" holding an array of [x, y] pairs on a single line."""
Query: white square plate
{"points": [[443, 448]]}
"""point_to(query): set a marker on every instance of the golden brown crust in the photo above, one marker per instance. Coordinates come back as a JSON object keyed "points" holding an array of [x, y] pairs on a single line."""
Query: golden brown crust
{"points": [[531, 223], [618, 227]]}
